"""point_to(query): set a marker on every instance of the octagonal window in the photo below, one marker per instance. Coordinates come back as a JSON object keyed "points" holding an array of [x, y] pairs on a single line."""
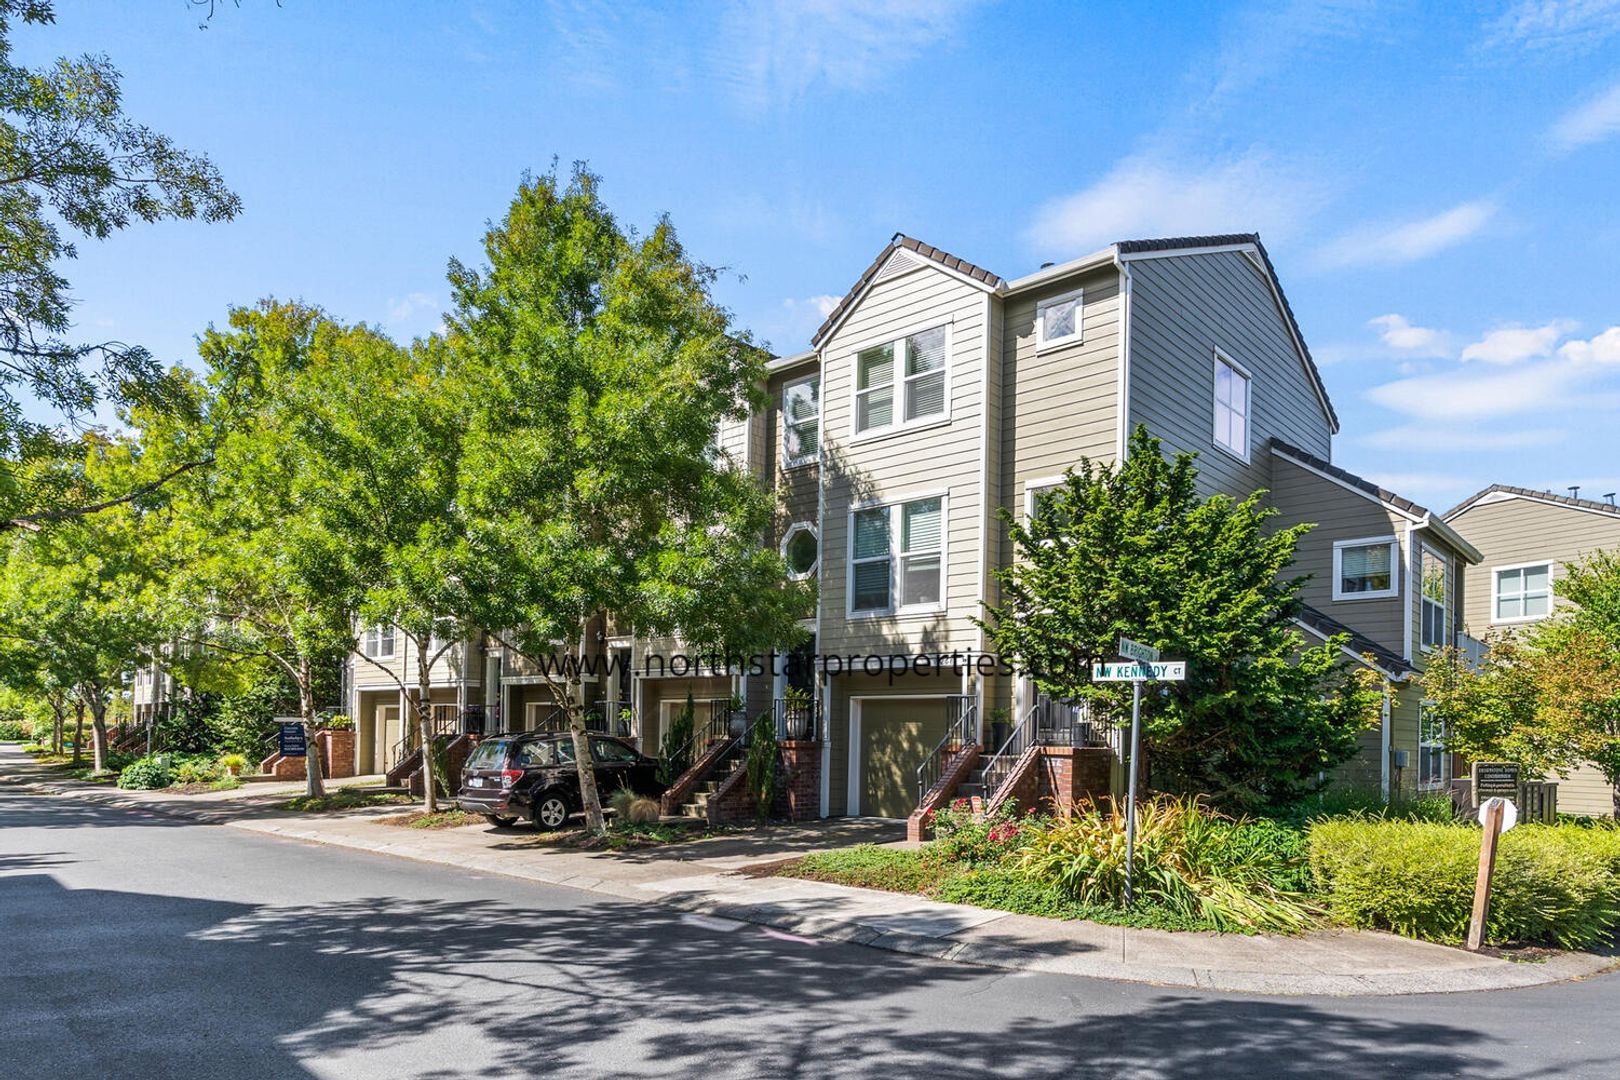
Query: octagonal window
{"points": [[801, 551]]}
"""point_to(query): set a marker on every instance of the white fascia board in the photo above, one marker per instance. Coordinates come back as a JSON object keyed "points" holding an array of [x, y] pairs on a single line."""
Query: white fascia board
{"points": [[1451, 536], [782, 363], [1058, 271]]}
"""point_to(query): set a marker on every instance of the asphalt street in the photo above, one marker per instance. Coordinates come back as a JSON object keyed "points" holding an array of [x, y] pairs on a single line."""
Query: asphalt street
{"points": [[139, 945]]}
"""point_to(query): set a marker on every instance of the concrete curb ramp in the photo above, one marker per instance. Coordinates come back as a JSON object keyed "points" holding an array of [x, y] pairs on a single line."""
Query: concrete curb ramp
{"points": [[1338, 963]]}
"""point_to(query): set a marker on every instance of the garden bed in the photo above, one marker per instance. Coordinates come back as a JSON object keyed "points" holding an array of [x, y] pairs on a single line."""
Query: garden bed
{"points": [[345, 798]]}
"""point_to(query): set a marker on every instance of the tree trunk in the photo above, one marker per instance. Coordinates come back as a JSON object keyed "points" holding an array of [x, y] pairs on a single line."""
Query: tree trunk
{"points": [[582, 748], [98, 723], [58, 723], [313, 785], [78, 732], [424, 724]]}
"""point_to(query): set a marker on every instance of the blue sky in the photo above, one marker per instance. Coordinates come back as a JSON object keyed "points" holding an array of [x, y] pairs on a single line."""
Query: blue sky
{"points": [[1437, 185]]}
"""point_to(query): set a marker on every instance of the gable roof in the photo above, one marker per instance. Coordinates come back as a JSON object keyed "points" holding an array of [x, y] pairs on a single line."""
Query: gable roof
{"points": [[1420, 516], [1147, 248], [1390, 662], [1539, 496], [897, 242]]}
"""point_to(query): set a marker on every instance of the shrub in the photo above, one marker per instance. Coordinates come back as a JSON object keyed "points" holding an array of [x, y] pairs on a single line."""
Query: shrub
{"points": [[1553, 884], [1006, 889], [872, 867], [619, 802], [643, 811], [233, 764], [144, 774], [1197, 865], [196, 770], [16, 731], [964, 838], [1352, 800]]}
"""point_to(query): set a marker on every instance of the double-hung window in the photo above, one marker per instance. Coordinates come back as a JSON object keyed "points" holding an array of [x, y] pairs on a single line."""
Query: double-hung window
{"points": [[1231, 407], [1521, 592], [897, 556], [1057, 321], [379, 642], [1432, 763], [1365, 569], [900, 382], [1435, 579], [801, 421]]}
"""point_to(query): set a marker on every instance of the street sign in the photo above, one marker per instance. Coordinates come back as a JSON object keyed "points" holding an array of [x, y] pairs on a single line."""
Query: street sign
{"points": [[1164, 671], [1135, 650], [290, 740]]}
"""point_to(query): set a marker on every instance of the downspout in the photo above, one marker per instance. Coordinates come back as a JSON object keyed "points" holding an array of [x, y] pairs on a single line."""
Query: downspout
{"points": [[1410, 598], [823, 685], [1384, 745], [1123, 403]]}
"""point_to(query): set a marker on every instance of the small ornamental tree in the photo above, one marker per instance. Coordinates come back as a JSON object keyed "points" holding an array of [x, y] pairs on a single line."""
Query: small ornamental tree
{"points": [[598, 371], [1135, 551]]}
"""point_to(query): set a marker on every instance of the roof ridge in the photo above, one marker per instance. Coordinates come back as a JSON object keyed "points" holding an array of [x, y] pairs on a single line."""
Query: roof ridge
{"points": [[928, 251], [1383, 494], [1573, 501]]}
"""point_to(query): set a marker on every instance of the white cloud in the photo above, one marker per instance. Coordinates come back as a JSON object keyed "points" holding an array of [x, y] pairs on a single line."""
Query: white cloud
{"points": [[775, 52], [403, 309], [1144, 196], [1424, 485], [1558, 25], [1396, 332], [789, 328], [1467, 394], [1511, 344], [1431, 436], [1601, 349], [1590, 122], [1409, 241]]}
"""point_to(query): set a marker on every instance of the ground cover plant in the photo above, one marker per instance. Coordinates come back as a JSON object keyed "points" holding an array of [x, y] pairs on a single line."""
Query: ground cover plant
{"points": [[344, 798]]}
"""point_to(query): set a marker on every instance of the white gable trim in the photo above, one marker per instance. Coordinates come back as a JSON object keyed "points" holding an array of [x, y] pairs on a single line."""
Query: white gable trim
{"points": [[927, 264], [1505, 496]]}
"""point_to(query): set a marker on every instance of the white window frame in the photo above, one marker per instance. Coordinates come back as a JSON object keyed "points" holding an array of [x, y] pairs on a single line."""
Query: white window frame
{"points": [[798, 527], [896, 556], [900, 382], [1394, 545], [371, 644], [789, 462], [1243, 455], [1496, 591], [1042, 342], [1440, 745], [1423, 598]]}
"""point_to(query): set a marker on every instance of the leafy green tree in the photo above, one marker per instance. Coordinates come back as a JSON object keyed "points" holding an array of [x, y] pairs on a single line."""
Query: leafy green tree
{"points": [[254, 572], [1134, 551], [598, 369], [72, 162]]}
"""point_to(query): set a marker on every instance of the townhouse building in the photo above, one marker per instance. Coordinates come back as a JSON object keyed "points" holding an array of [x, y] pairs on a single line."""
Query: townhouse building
{"points": [[936, 394], [1527, 539]]}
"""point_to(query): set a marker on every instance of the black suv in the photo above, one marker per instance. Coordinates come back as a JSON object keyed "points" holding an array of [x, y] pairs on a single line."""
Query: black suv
{"points": [[532, 775]]}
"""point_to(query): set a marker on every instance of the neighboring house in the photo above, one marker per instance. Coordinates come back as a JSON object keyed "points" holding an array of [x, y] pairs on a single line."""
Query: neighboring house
{"points": [[382, 710], [1527, 539]]}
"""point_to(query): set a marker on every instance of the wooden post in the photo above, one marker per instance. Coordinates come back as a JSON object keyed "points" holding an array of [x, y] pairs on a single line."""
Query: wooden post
{"points": [[1487, 867]]}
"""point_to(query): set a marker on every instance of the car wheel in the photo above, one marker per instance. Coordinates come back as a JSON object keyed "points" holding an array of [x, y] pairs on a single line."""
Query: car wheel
{"points": [[550, 811], [499, 821]]}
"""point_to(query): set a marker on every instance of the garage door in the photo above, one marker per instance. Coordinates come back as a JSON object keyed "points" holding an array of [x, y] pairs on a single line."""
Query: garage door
{"points": [[896, 737]]}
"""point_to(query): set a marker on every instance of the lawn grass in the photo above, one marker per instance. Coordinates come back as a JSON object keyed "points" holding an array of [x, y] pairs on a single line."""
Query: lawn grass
{"points": [[344, 798], [438, 819]]}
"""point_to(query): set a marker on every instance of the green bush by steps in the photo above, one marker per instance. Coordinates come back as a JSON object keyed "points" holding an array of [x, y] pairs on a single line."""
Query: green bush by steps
{"points": [[146, 774], [1554, 884]]}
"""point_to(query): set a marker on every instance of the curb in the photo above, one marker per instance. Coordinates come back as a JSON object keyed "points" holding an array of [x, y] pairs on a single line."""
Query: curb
{"points": [[990, 954]]}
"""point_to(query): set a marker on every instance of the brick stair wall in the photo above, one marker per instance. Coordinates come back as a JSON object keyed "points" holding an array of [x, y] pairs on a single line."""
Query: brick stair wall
{"points": [[679, 792], [919, 824], [456, 754]]}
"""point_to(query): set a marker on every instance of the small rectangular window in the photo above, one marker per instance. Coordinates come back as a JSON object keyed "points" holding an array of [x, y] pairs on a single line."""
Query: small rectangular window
{"points": [[379, 642], [1231, 407], [870, 564], [801, 421], [925, 374], [1433, 764], [922, 540], [1057, 321], [1365, 569], [1436, 588], [1522, 593]]}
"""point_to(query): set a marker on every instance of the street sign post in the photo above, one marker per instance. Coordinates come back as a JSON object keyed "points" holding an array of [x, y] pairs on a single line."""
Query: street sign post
{"points": [[1144, 666], [1497, 815]]}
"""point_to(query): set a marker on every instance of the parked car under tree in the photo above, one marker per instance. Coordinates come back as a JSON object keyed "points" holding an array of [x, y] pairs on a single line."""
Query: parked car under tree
{"points": [[532, 775]]}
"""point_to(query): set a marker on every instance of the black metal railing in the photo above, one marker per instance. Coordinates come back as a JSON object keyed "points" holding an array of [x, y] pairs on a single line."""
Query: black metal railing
{"points": [[1070, 723], [796, 720], [713, 720], [1012, 749], [439, 727], [962, 714]]}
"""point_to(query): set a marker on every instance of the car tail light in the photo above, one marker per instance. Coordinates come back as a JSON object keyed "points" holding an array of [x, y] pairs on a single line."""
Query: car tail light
{"points": [[510, 777]]}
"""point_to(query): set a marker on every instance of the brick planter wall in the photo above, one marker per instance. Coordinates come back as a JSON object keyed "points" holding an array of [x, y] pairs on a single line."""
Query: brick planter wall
{"points": [[954, 770], [802, 760], [1070, 775], [331, 744]]}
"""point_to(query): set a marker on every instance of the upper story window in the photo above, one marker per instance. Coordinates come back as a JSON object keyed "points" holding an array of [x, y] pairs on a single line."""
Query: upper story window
{"points": [[1057, 321], [1231, 407], [886, 576], [1365, 569], [801, 421], [1520, 593], [379, 642], [900, 382], [1436, 589]]}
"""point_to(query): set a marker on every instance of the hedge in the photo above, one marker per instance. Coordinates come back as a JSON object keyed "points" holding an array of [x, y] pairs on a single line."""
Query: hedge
{"points": [[1554, 884]]}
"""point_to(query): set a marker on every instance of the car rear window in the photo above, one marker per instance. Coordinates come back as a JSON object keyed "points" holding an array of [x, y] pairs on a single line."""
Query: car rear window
{"points": [[489, 755]]}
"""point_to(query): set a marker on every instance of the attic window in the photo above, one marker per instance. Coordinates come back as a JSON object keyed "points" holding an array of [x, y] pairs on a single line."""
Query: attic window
{"points": [[1057, 321]]}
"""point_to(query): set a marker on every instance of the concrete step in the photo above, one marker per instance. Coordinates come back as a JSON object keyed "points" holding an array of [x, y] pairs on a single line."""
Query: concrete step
{"points": [[969, 790]]}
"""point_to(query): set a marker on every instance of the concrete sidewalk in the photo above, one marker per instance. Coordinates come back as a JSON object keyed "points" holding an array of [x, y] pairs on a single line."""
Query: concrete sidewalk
{"points": [[702, 876]]}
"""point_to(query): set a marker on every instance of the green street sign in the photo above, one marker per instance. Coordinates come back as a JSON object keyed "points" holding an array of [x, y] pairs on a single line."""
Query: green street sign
{"points": [[1135, 650], [1165, 671]]}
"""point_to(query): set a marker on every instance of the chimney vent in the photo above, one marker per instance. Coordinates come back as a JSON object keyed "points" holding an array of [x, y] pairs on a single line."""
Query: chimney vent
{"points": [[1574, 491], [1610, 496]]}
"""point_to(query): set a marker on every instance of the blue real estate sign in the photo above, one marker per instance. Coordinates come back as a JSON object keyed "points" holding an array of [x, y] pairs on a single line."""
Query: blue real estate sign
{"points": [[291, 740]]}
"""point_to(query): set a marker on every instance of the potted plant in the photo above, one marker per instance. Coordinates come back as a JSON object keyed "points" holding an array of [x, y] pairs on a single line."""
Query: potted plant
{"points": [[1000, 721], [234, 764]]}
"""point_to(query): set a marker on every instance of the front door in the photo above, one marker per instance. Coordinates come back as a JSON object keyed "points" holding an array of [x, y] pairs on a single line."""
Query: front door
{"points": [[896, 738], [389, 734]]}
